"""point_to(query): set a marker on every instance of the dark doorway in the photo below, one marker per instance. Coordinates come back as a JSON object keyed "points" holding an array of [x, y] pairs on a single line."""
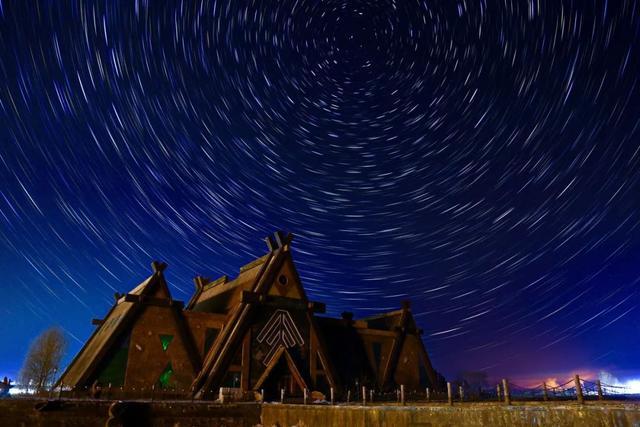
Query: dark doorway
{"points": [[280, 378]]}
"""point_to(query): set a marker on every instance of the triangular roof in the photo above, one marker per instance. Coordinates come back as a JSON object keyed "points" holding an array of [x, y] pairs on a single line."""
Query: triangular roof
{"points": [[118, 322]]}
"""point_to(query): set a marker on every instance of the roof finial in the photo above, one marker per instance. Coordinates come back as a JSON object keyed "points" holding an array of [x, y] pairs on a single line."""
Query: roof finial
{"points": [[200, 282], [270, 244], [278, 240], [158, 267]]}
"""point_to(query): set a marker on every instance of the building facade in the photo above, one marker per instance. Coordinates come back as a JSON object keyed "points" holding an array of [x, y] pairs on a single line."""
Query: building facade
{"points": [[256, 332]]}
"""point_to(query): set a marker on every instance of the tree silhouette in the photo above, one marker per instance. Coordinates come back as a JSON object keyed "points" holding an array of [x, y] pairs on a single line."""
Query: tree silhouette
{"points": [[43, 360]]}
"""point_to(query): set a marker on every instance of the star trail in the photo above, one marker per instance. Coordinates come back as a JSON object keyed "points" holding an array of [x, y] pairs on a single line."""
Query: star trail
{"points": [[480, 158]]}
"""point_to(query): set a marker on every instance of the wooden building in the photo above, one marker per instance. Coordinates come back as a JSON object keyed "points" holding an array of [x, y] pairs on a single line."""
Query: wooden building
{"points": [[256, 332]]}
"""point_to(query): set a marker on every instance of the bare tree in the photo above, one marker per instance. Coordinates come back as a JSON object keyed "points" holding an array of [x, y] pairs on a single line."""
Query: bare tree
{"points": [[43, 360]]}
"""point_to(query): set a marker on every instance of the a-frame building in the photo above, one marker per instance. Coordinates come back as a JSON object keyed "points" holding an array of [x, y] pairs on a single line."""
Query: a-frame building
{"points": [[258, 331]]}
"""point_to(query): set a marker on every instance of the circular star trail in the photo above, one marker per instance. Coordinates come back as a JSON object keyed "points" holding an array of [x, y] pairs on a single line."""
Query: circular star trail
{"points": [[480, 158]]}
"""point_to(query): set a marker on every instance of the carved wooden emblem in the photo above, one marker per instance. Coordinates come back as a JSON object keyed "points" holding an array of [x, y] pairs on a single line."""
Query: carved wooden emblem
{"points": [[280, 331]]}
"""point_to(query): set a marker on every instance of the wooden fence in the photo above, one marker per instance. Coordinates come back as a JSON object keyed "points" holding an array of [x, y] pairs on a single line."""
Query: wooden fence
{"points": [[505, 392]]}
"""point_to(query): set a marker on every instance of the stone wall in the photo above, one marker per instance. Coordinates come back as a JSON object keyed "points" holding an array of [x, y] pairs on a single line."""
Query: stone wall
{"points": [[557, 415], [22, 413], [87, 413]]}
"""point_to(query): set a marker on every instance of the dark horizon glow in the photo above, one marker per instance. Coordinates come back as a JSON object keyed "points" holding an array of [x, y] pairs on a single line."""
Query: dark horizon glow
{"points": [[479, 158]]}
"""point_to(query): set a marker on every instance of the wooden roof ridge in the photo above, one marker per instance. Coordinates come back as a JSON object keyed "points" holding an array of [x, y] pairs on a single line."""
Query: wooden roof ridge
{"points": [[383, 315], [130, 312], [199, 281], [203, 285], [220, 286], [256, 262]]}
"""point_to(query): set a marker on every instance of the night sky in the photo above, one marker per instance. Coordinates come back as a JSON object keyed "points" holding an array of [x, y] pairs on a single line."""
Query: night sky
{"points": [[481, 158]]}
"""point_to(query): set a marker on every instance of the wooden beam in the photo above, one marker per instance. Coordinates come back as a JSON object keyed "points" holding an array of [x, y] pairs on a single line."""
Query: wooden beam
{"points": [[281, 352], [396, 348], [274, 361], [249, 297], [246, 361], [376, 332], [147, 300], [294, 370]]}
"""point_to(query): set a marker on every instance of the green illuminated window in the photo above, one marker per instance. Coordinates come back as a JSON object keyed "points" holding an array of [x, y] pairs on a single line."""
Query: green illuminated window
{"points": [[165, 376], [165, 340]]}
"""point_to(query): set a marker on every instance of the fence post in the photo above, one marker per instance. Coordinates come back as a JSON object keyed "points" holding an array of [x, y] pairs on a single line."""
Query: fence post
{"points": [[281, 395], [428, 397], [402, 394], [306, 395], [579, 395], [507, 394], [498, 392], [332, 396], [545, 395], [461, 393], [153, 389], [599, 384], [371, 395], [364, 396], [261, 395], [449, 395], [348, 396]]}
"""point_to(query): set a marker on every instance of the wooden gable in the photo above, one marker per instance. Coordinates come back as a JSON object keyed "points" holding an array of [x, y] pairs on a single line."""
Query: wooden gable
{"points": [[286, 281], [160, 345]]}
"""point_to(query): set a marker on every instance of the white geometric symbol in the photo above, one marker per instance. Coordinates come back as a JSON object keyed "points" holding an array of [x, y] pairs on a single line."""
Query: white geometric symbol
{"points": [[280, 331]]}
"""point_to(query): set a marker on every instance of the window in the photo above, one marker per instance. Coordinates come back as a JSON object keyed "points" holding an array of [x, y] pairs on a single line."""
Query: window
{"points": [[165, 340], [113, 372], [283, 280], [165, 376]]}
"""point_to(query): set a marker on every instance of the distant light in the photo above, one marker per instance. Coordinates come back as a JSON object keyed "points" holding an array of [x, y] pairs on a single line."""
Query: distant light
{"points": [[17, 390], [632, 386]]}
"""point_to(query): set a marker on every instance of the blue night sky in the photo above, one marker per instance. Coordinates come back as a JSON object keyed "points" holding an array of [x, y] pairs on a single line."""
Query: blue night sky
{"points": [[481, 158]]}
